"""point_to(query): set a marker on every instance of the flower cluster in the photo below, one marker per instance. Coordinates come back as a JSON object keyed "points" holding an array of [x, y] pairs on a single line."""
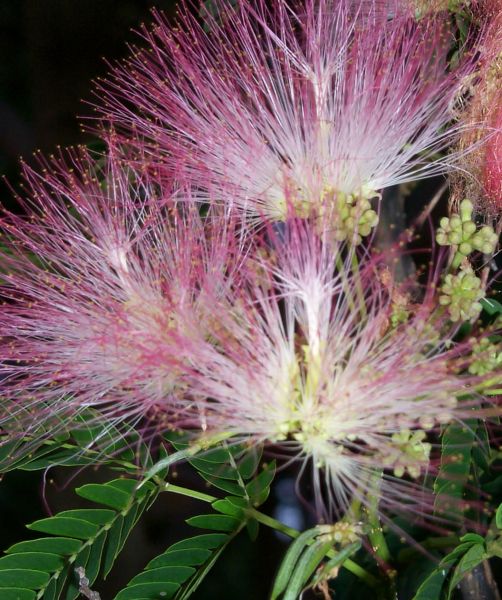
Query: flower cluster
{"points": [[275, 108], [216, 272], [101, 273]]}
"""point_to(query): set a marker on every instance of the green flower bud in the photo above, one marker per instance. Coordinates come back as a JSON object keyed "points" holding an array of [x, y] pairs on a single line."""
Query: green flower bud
{"points": [[465, 248], [460, 230], [354, 218], [461, 293], [455, 223], [343, 532], [409, 453], [364, 229], [442, 238], [466, 208], [371, 217], [486, 356], [468, 228]]}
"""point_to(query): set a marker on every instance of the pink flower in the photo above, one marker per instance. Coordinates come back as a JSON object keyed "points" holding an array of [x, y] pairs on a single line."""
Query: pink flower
{"points": [[99, 275], [341, 369], [482, 168], [492, 174], [119, 297], [270, 106]]}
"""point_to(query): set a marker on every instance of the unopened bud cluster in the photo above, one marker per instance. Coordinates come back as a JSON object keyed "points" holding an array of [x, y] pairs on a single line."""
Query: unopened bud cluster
{"points": [[400, 310], [342, 533], [487, 357], [461, 294], [355, 218], [409, 453], [446, 403], [461, 231]]}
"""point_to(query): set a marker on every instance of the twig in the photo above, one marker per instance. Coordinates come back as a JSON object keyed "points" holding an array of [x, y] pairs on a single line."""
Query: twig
{"points": [[83, 585]]}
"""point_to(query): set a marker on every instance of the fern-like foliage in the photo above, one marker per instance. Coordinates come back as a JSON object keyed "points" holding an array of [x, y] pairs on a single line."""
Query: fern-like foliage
{"points": [[48, 568], [178, 571], [44, 568], [89, 442]]}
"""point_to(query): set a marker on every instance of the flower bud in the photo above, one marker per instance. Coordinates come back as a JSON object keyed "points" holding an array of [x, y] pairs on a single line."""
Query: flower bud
{"points": [[461, 293], [466, 208]]}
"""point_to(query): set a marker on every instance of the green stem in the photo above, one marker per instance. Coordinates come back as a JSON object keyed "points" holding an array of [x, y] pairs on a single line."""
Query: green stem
{"points": [[176, 489], [484, 387], [359, 285], [494, 392], [343, 276], [377, 538], [457, 260], [376, 535], [358, 571], [272, 523]]}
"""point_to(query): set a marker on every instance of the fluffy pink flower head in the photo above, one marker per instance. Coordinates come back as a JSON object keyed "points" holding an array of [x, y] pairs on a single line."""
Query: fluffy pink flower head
{"points": [[341, 368], [278, 103], [97, 277], [481, 179], [492, 175], [490, 97]]}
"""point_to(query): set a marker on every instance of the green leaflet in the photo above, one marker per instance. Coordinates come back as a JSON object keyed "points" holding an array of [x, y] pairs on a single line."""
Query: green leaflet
{"points": [[88, 538], [491, 306], [59, 546], [498, 517], [181, 568], [431, 588], [302, 558], [106, 495], [290, 560], [43, 561], [471, 559], [214, 522], [17, 594], [457, 442], [305, 567], [455, 565], [30, 579]]}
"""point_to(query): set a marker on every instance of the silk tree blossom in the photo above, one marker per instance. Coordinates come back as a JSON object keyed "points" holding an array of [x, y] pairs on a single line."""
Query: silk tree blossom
{"points": [[482, 169], [95, 279], [343, 369], [327, 102]]}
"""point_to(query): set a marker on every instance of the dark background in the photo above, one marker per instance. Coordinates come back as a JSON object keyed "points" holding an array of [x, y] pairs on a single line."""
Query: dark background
{"points": [[50, 50]]}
